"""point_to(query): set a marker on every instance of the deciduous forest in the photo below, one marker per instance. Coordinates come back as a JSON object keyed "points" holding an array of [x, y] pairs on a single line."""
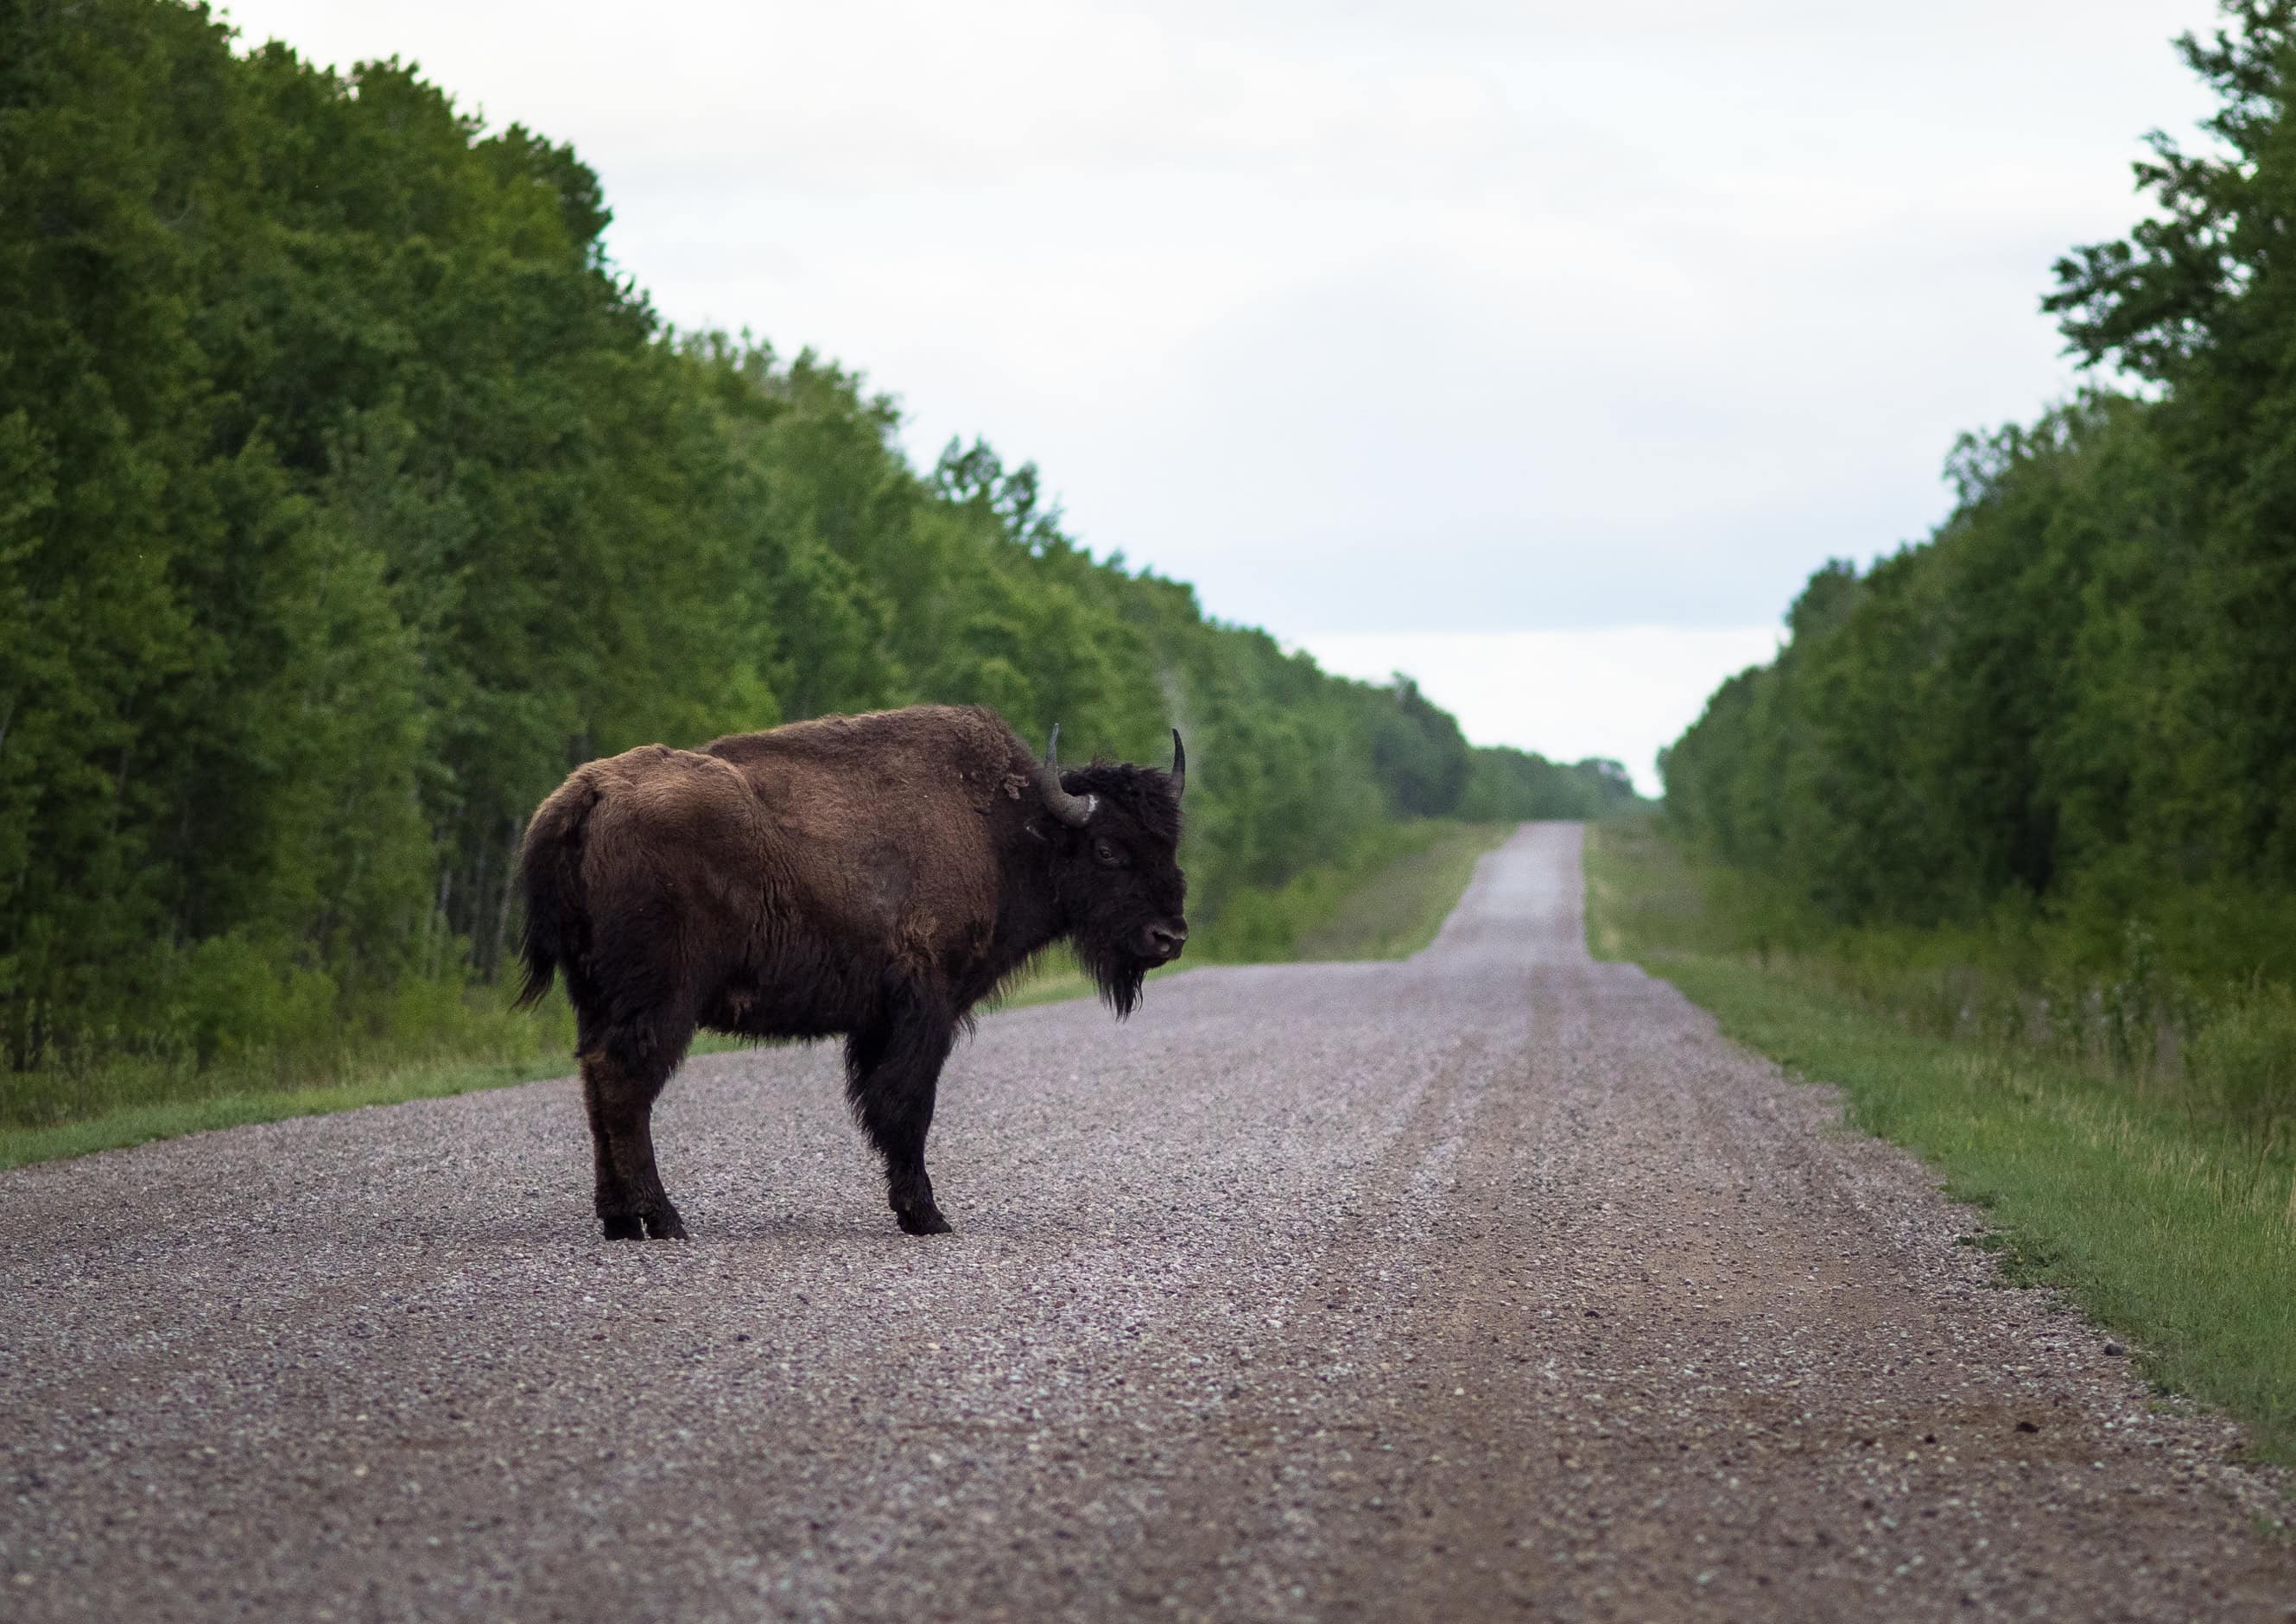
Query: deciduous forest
{"points": [[350, 494], [2055, 742]]}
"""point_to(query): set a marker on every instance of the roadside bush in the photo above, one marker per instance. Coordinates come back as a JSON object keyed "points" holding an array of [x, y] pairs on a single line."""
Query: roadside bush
{"points": [[1263, 925], [234, 1001], [2244, 1058]]}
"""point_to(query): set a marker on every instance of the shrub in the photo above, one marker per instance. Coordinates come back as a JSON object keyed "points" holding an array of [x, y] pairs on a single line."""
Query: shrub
{"points": [[2245, 1056]]}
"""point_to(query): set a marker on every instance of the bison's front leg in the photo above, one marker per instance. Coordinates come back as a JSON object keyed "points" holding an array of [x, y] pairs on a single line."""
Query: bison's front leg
{"points": [[892, 1069]]}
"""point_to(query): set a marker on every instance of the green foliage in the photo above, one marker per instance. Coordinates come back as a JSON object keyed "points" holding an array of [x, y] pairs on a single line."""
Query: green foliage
{"points": [[2214, 1055], [350, 497], [1419, 752], [2245, 1060], [1504, 785], [2077, 700]]}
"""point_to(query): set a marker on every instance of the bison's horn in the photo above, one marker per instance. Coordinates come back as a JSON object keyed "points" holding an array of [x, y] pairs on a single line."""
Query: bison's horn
{"points": [[1179, 773], [1074, 810]]}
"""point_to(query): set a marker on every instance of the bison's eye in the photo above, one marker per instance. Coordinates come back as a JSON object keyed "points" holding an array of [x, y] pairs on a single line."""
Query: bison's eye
{"points": [[1105, 854]]}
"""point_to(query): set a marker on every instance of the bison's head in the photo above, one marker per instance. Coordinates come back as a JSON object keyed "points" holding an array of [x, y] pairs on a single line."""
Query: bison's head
{"points": [[1116, 839]]}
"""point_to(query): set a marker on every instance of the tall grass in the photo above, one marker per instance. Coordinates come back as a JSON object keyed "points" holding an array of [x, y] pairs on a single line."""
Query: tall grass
{"points": [[307, 1042], [430, 1036], [2220, 1051]]}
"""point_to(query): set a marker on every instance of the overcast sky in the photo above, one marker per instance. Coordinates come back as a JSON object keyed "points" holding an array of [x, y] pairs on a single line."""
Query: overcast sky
{"points": [[1542, 348]]}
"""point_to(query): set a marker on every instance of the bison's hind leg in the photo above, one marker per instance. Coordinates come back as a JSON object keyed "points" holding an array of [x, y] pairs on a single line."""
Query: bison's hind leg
{"points": [[619, 1089]]}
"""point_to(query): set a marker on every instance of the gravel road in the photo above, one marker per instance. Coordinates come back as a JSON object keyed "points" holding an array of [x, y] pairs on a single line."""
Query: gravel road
{"points": [[1492, 1284]]}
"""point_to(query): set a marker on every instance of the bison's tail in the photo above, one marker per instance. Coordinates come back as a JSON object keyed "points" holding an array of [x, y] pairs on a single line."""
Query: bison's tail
{"points": [[550, 881]]}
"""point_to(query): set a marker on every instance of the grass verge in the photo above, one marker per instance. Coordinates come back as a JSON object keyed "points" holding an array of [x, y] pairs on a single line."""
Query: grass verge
{"points": [[2175, 1229], [1387, 908], [1384, 899], [169, 1118], [1396, 912], [223, 1105]]}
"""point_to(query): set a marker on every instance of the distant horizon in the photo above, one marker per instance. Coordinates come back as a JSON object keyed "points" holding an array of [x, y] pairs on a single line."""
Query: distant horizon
{"points": [[1526, 689]]}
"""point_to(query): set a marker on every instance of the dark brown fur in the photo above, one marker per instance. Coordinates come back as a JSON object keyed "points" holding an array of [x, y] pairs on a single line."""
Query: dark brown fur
{"points": [[872, 877]]}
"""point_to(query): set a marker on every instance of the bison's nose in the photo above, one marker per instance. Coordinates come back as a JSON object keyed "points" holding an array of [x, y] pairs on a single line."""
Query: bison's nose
{"points": [[1165, 941]]}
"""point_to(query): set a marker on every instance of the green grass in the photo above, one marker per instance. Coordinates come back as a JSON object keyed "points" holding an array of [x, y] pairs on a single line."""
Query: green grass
{"points": [[168, 1118], [2169, 1222], [227, 1099], [1396, 912], [1380, 900], [1387, 904], [1053, 979]]}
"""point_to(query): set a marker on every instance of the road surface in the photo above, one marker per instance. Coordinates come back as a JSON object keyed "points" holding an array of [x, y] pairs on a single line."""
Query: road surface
{"points": [[1489, 1285]]}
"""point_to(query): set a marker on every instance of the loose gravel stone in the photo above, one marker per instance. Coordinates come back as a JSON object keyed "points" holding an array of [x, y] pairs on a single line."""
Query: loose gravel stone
{"points": [[1489, 1284]]}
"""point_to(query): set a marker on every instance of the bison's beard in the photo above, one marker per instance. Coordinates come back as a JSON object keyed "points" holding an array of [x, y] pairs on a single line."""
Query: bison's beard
{"points": [[1116, 973]]}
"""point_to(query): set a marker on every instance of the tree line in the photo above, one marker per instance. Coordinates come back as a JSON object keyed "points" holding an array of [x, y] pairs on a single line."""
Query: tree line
{"points": [[349, 496], [2071, 709]]}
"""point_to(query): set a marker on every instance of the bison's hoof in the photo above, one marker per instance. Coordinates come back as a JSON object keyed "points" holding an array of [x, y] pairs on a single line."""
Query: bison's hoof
{"points": [[924, 1220], [622, 1226], [666, 1225]]}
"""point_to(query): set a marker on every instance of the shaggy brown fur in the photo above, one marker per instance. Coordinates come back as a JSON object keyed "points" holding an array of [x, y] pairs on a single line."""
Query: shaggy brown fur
{"points": [[871, 876]]}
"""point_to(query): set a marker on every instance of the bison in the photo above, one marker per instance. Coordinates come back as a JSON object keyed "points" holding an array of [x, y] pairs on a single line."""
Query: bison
{"points": [[869, 877]]}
